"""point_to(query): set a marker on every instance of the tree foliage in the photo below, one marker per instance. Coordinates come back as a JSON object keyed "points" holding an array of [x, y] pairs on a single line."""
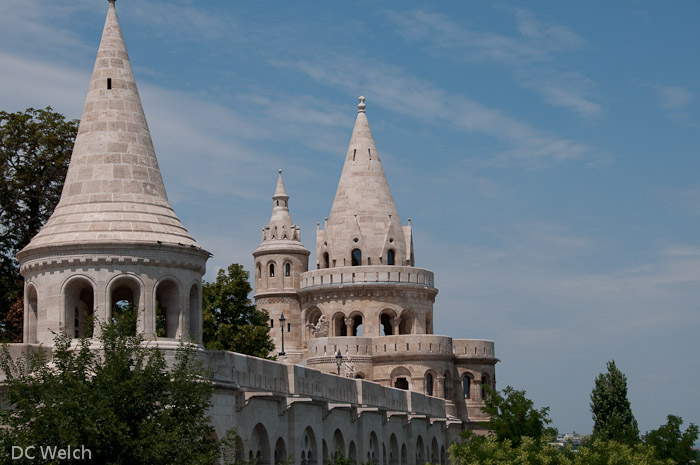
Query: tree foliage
{"points": [[671, 443], [513, 416], [490, 450], [121, 402], [231, 321], [612, 413], [35, 149]]}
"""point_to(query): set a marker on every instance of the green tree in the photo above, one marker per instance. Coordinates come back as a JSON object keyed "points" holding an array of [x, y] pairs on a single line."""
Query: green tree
{"points": [[671, 443], [35, 149], [513, 416], [231, 321], [612, 414], [123, 402]]}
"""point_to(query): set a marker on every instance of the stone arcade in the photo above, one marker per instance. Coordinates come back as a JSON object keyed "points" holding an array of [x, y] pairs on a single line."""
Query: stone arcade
{"points": [[404, 393]]}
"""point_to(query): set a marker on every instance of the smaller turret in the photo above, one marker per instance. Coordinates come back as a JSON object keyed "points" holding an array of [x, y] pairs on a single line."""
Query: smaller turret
{"points": [[280, 260]]}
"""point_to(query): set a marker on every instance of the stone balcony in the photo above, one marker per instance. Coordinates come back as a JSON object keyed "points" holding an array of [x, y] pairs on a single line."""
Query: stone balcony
{"points": [[375, 274]]}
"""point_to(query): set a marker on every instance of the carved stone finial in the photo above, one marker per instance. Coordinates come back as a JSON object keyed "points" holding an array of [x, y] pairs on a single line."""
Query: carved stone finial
{"points": [[361, 107]]}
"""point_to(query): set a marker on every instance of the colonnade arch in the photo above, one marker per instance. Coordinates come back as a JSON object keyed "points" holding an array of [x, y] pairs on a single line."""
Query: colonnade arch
{"points": [[168, 311], [79, 306], [31, 298]]}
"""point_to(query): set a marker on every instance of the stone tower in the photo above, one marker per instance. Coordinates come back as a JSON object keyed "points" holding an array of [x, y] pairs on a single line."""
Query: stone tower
{"points": [[279, 262], [113, 238]]}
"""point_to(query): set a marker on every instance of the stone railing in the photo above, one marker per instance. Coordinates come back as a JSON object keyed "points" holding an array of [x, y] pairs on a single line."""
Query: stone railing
{"points": [[367, 274], [408, 344], [473, 348]]}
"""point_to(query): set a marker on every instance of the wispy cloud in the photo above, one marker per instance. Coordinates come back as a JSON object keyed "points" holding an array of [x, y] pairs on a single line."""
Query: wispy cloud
{"points": [[673, 97], [395, 88], [531, 53]]}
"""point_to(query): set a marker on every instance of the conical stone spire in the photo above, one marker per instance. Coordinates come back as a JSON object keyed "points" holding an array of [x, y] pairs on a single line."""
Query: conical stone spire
{"points": [[281, 227], [113, 191], [363, 214]]}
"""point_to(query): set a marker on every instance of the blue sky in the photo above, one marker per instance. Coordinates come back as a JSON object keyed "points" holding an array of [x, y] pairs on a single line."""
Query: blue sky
{"points": [[549, 157]]}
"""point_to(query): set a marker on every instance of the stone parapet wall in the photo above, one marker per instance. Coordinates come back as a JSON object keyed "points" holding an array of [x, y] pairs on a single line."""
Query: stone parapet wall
{"points": [[473, 348], [253, 374], [367, 274]]}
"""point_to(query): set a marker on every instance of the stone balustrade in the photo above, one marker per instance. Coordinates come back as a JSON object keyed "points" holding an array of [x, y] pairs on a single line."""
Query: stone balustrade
{"points": [[367, 274]]}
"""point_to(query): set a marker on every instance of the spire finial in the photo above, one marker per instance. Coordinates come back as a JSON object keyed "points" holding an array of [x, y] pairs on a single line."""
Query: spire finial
{"points": [[279, 171], [361, 106]]}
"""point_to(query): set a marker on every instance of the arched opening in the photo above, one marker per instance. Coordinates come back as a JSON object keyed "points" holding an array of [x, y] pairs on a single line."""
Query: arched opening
{"points": [[484, 384], [385, 324], [352, 452], [390, 257], [195, 314], [467, 386], [308, 447], [124, 296], [429, 324], [168, 309], [400, 378], [443, 455], [239, 449], [373, 452], [406, 322], [384, 454], [272, 270], [326, 458], [356, 257], [258, 271], [357, 325], [326, 262], [338, 443], [428, 384], [339, 326], [434, 451], [420, 450], [79, 301], [313, 315], [394, 450], [288, 280], [287, 269], [404, 454], [447, 385], [280, 451], [32, 299], [260, 444]]}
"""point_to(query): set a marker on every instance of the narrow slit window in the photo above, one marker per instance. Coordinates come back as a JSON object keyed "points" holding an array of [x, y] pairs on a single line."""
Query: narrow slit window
{"points": [[287, 269], [272, 270], [369, 152], [354, 152], [272, 323], [109, 83]]}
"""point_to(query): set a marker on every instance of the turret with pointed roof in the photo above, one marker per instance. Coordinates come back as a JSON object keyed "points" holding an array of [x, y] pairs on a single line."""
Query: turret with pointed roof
{"points": [[280, 260], [363, 216], [113, 238]]}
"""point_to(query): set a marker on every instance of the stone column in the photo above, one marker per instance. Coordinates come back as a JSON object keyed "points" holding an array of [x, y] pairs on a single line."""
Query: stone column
{"points": [[395, 326], [348, 326]]}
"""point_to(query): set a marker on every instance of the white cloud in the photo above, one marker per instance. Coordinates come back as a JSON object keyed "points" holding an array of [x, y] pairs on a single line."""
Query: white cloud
{"points": [[673, 97], [531, 54]]}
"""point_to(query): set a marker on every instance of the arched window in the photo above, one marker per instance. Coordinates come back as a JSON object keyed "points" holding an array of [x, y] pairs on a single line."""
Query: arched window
{"points": [[429, 384], [356, 257], [466, 386], [390, 257], [287, 269], [272, 270], [326, 262], [484, 383]]}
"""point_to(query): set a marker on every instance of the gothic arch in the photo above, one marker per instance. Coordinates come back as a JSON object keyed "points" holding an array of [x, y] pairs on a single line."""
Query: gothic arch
{"points": [[167, 309], [420, 450], [393, 450], [260, 444], [78, 305], [373, 452], [430, 378], [338, 443], [434, 451], [467, 382], [308, 448], [280, 451]]}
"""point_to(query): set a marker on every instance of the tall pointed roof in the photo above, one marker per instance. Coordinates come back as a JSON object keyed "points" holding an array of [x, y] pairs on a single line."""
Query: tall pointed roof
{"points": [[281, 233], [363, 214], [113, 191]]}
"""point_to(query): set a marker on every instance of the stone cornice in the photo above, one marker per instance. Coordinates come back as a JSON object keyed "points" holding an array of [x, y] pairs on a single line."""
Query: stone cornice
{"points": [[80, 255]]}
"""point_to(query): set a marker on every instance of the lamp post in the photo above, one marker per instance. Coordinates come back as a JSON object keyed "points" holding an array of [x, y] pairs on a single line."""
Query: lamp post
{"points": [[338, 360], [282, 320]]}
